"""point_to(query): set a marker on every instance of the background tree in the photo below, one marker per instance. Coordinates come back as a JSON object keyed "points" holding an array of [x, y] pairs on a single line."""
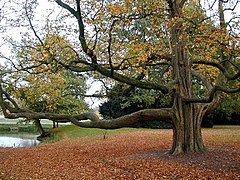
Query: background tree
{"points": [[155, 45], [123, 100], [227, 112], [48, 88], [44, 88]]}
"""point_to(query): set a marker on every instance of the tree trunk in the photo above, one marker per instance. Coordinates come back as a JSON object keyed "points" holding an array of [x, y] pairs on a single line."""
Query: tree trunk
{"points": [[187, 117], [39, 127], [187, 136]]}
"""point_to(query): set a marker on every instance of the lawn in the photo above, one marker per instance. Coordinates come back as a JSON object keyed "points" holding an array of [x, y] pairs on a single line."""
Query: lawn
{"points": [[73, 132], [87, 154]]}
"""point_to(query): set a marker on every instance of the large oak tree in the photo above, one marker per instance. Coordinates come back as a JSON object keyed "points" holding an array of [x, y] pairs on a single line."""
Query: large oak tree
{"points": [[171, 46]]}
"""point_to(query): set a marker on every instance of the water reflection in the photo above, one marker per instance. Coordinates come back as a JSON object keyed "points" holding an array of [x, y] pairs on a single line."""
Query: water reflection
{"points": [[18, 141]]}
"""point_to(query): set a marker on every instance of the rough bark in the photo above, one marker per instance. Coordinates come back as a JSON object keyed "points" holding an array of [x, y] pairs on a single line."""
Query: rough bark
{"points": [[187, 136], [188, 116]]}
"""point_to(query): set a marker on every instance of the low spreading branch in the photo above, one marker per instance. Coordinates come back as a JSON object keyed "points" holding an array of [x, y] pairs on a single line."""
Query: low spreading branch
{"points": [[94, 121], [12, 111], [127, 120]]}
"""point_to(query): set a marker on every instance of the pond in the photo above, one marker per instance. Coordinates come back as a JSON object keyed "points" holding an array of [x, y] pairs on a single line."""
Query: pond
{"points": [[10, 140]]}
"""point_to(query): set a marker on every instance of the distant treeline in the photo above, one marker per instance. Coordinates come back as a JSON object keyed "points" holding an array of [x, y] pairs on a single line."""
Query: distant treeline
{"points": [[219, 117]]}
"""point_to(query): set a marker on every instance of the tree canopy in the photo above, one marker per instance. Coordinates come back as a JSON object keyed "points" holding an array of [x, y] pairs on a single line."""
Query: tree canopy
{"points": [[175, 47]]}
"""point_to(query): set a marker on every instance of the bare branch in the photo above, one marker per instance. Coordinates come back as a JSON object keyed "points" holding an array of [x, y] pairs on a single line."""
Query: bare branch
{"points": [[77, 14], [67, 7], [117, 76], [214, 64], [33, 29], [86, 95], [95, 122], [124, 121], [130, 81], [233, 7]]}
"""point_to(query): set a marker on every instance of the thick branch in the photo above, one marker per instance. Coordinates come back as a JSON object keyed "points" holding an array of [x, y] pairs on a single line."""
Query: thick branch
{"points": [[78, 16], [119, 77], [211, 95], [67, 7], [10, 112], [110, 43], [125, 121], [220, 67], [214, 64], [133, 82]]}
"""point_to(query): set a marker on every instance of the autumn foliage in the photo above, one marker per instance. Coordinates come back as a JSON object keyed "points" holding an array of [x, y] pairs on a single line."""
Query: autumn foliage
{"points": [[174, 47]]}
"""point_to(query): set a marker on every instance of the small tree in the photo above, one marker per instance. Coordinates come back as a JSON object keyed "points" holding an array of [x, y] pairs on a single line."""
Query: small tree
{"points": [[45, 88]]}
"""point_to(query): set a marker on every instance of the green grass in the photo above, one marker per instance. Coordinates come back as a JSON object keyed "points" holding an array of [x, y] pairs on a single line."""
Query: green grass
{"points": [[226, 127], [224, 134], [73, 132]]}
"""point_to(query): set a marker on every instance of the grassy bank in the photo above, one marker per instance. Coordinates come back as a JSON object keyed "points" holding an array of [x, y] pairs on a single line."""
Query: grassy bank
{"points": [[72, 132]]}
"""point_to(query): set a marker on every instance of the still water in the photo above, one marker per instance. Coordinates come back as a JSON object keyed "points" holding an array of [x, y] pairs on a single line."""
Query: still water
{"points": [[18, 140]]}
